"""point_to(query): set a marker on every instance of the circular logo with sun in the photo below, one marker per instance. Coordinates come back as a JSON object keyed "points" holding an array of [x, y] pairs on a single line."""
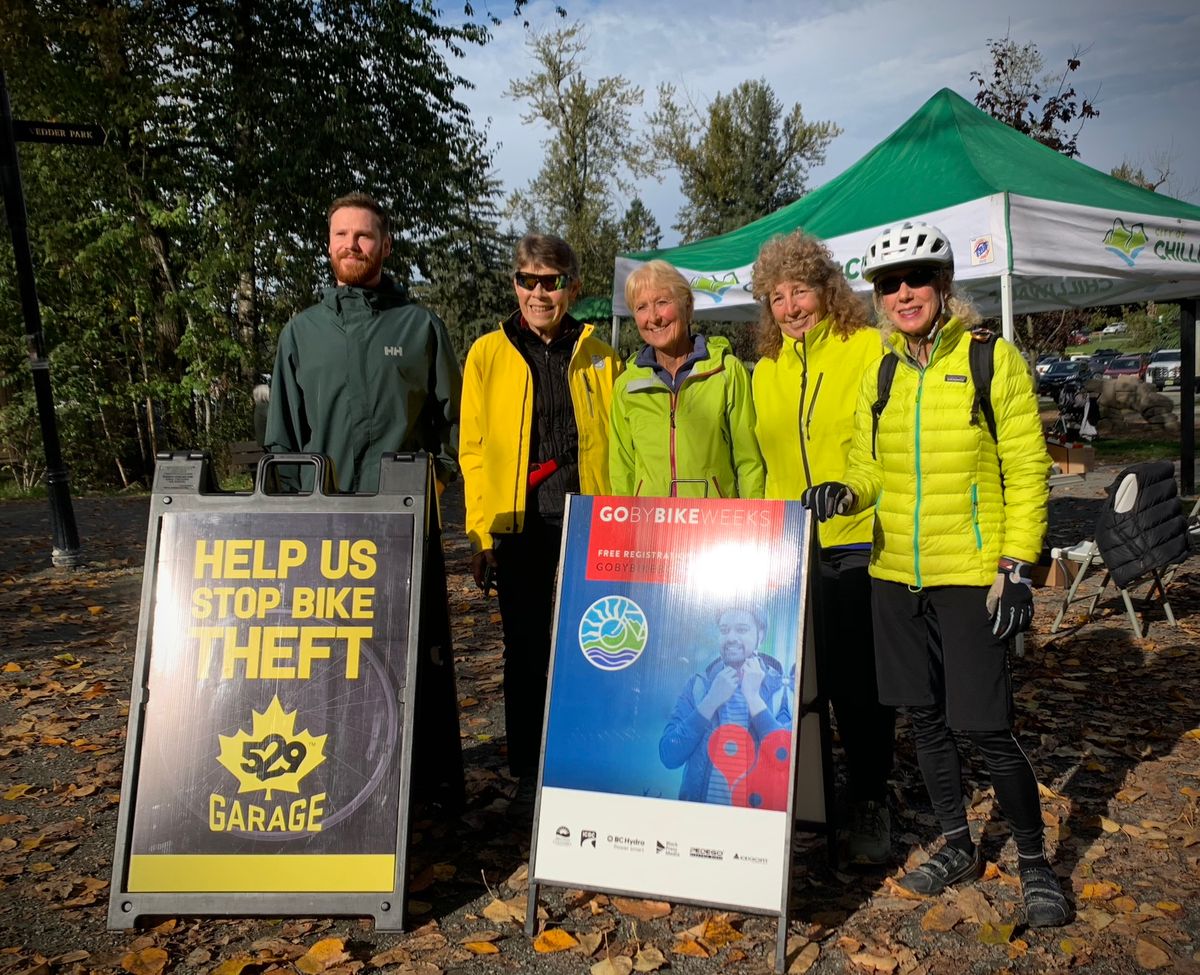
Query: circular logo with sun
{"points": [[613, 632]]}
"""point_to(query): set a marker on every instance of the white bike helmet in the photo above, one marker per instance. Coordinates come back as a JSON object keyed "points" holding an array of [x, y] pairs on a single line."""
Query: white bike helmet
{"points": [[905, 245]]}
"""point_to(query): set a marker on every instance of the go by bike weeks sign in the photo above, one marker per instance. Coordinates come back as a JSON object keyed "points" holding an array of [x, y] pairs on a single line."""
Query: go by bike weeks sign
{"points": [[270, 734], [684, 731]]}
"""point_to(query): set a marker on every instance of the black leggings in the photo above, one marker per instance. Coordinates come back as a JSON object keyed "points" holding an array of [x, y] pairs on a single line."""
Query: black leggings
{"points": [[1012, 777]]}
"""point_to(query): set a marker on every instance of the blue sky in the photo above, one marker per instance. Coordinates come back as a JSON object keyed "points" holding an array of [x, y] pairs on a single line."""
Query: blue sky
{"points": [[866, 66]]}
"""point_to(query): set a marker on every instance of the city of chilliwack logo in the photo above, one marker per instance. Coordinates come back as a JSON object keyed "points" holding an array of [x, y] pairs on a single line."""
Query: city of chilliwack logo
{"points": [[273, 756], [1126, 242], [714, 286]]}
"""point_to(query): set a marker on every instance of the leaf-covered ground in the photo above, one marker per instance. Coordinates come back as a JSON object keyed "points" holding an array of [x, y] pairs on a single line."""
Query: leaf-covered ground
{"points": [[1111, 723]]}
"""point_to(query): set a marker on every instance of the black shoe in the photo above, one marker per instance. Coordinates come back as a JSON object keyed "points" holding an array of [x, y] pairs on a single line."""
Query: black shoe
{"points": [[1045, 904], [947, 867]]}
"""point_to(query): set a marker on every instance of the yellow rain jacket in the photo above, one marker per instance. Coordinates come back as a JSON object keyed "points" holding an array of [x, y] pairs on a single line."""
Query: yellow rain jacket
{"points": [[949, 500], [497, 419], [804, 401]]}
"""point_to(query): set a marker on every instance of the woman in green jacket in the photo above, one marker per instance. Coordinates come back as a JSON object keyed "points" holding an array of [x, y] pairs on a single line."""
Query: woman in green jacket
{"points": [[816, 343], [959, 517], [682, 416]]}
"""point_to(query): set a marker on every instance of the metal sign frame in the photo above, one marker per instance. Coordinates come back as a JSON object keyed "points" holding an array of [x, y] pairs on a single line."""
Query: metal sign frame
{"points": [[184, 483], [810, 728]]}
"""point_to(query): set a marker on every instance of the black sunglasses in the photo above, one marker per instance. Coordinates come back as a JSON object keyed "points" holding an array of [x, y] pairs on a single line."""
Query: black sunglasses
{"points": [[915, 277], [527, 281]]}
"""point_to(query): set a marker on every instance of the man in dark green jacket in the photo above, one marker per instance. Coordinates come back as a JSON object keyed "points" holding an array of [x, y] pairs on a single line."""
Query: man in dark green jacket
{"points": [[365, 371]]}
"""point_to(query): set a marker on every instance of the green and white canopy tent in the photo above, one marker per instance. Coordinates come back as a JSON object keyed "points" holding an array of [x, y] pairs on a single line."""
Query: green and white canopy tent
{"points": [[1031, 229]]}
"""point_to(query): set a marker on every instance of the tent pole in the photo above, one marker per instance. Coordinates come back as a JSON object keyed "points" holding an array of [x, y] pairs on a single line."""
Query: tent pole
{"points": [[1007, 327], [1187, 394], [616, 334]]}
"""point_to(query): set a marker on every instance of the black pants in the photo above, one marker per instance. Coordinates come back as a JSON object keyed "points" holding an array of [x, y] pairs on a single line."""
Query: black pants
{"points": [[527, 564], [936, 646], [846, 667]]}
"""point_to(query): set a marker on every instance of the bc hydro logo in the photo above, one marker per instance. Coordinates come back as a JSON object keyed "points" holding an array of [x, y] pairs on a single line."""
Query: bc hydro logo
{"points": [[613, 632]]}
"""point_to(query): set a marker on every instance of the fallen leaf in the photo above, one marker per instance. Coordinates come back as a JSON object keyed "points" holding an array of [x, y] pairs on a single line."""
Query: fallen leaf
{"points": [[1098, 920], [234, 966], [996, 934], [1172, 908], [805, 960], [718, 932], [1124, 904], [324, 954], [620, 965], [552, 940], [649, 959], [11, 668], [895, 890], [1130, 795], [502, 911], [1102, 891], [692, 947], [72, 956], [1150, 954], [146, 961], [393, 956], [941, 917], [481, 947], [485, 935], [1109, 826], [641, 909], [975, 906], [95, 610], [589, 941], [17, 791]]}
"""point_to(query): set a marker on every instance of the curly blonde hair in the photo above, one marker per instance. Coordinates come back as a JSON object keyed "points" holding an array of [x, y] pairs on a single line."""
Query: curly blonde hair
{"points": [[801, 257]]}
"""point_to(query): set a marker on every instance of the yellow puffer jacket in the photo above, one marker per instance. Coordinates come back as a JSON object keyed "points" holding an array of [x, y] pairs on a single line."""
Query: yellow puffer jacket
{"points": [[942, 515], [497, 419], [804, 401]]}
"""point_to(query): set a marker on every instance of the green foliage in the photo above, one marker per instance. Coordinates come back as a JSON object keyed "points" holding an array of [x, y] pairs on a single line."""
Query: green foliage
{"points": [[168, 259], [739, 158], [591, 153]]}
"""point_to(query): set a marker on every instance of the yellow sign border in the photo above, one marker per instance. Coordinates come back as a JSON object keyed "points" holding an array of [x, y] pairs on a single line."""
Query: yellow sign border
{"points": [[261, 873]]}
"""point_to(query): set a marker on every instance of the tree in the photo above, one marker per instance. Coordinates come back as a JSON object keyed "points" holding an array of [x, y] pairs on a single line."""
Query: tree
{"points": [[169, 259], [591, 151], [740, 158], [639, 231], [1041, 105]]}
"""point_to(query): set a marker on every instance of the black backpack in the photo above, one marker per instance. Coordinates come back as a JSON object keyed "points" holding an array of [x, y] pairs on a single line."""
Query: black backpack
{"points": [[982, 358]]}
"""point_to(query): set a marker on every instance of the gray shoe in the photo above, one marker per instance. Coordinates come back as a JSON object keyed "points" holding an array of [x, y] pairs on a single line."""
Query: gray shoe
{"points": [[947, 867], [1045, 904], [869, 838]]}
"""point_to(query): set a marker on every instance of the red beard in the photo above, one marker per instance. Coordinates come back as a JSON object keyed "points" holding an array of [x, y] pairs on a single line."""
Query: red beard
{"points": [[356, 269]]}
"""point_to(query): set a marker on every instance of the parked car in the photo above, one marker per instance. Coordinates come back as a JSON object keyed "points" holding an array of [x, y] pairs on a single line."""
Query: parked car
{"points": [[1126, 365], [1116, 328], [1078, 338], [1100, 359], [1050, 383], [1164, 368], [1044, 362]]}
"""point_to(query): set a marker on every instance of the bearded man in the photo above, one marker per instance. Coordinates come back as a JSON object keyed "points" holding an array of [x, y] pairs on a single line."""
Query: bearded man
{"points": [[365, 371]]}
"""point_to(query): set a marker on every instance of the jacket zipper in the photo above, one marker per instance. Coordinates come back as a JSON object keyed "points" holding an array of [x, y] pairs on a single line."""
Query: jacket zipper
{"points": [[525, 402], [812, 405], [975, 516], [588, 383], [797, 346], [674, 487]]}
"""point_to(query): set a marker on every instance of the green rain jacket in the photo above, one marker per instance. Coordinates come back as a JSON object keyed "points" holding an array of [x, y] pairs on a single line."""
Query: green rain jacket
{"points": [[696, 442], [362, 373]]}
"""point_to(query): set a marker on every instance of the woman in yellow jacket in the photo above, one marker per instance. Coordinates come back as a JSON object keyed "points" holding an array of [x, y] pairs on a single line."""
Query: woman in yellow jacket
{"points": [[816, 343], [960, 511], [537, 394]]}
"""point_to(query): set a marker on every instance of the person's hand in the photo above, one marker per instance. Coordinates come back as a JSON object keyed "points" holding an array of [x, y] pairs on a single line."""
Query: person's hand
{"points": [[481, 563], [827, 499], [723, 687], [1010, 600], [752, 682]]}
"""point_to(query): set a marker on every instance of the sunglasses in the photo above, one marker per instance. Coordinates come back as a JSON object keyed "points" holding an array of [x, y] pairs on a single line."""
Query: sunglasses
{"points": [[917, 277], [527, 281]]}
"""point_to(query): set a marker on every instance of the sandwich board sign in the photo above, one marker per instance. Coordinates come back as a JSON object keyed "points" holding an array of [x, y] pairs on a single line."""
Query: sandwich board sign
{"points": [[270, 738], [669, 761]]}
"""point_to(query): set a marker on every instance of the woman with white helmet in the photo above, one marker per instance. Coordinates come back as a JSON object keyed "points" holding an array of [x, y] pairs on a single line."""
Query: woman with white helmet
{"points": [[957, 478]]}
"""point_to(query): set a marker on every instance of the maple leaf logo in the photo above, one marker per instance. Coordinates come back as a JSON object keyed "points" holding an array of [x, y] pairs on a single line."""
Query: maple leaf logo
{"points": [[273, 756]]}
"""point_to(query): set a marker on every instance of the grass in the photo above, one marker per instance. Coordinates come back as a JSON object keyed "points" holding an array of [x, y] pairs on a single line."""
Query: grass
{"points": [[1134, 450]]}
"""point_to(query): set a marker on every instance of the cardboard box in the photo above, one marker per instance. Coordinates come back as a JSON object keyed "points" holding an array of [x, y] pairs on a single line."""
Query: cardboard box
{"points": [[1050, 575], [1072, 458]]}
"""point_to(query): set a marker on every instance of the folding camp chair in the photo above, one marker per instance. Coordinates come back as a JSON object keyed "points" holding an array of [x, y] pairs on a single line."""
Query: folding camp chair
{"points": [[1146, 536]]}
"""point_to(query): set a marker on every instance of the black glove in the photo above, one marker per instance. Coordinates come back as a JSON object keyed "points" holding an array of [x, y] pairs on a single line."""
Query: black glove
{"points": [[1010, 600], [827, 499]]}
